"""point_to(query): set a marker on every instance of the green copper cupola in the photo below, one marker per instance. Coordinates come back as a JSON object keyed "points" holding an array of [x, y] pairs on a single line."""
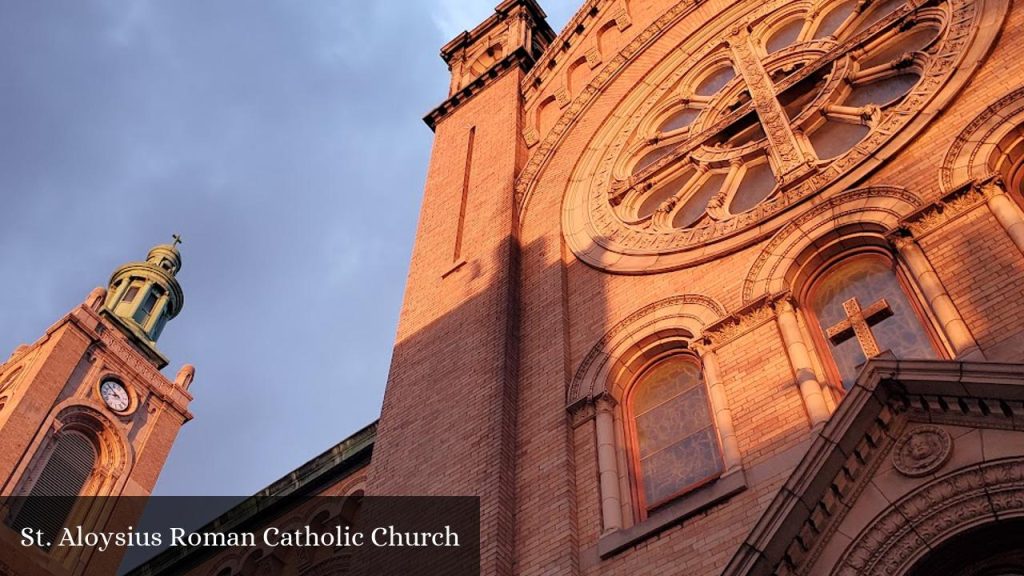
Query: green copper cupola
{"points": [[144, 296]]}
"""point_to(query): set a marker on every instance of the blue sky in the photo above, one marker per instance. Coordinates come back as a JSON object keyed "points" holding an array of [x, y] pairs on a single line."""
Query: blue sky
{"points": [[283, 141]]}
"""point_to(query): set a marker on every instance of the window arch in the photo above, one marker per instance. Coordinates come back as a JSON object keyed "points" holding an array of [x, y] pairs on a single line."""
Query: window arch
{"points": [[8, 379], [52, 496], [675, 446], [861, 306]]}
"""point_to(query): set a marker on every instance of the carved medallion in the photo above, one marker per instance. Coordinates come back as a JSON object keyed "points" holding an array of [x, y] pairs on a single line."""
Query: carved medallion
{"points": [[759, 108], [922, 451]]}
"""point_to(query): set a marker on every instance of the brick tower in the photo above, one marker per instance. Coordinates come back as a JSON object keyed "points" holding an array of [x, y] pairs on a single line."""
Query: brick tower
{"points": [[718, 287], [85, 411], [458, 324]]}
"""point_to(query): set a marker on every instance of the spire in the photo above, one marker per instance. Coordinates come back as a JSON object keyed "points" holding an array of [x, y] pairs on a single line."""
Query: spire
{"points": [[143, 296]]}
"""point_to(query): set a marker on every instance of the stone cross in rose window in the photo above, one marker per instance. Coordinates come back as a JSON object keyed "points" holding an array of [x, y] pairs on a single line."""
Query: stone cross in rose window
{"points": [[858, 323]]}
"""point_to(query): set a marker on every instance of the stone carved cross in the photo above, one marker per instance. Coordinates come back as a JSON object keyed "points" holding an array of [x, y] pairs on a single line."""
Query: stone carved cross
{"points": [[784, 146], [792, 160], [858, 324]]}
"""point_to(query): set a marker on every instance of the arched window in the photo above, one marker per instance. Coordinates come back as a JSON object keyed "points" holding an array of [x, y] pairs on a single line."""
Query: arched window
{"points": [[8, 380], [861, 308], [61, 480], [675, 445]]}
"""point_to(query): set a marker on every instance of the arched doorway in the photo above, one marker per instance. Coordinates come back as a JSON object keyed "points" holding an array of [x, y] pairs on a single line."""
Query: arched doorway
{"points": [[994, 549]]}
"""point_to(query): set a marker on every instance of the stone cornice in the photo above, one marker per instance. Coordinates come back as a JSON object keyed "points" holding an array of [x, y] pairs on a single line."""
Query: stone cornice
{"points": [[742, 321], [100, 330], [582, 385], [959, 201], [574, 31], [813, 500], [519, 58], [501, 12]]}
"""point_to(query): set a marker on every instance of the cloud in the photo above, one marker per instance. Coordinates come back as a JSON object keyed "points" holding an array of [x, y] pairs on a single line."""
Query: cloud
{"points": [[284, 141]]}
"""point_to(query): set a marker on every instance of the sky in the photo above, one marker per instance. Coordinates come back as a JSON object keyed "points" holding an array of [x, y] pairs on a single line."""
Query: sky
{"points": [[283, 140]]}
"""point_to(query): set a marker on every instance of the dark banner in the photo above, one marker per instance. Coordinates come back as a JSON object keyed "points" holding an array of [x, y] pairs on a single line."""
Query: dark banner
{"points": [[221, 536]]}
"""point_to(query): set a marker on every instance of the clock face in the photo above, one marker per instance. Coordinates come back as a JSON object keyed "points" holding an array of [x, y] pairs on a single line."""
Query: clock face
{"points": [[114, 395]]}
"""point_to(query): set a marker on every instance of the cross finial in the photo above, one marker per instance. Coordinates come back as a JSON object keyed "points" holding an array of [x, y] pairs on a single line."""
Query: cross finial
{"points": [[177, 239]]}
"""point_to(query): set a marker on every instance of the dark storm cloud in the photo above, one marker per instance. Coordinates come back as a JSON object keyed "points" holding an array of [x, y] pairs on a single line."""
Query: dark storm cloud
{"points": [[283, 141]]}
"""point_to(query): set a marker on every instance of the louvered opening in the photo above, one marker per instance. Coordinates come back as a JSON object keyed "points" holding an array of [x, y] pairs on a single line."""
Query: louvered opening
{"points": [[53, 495]]}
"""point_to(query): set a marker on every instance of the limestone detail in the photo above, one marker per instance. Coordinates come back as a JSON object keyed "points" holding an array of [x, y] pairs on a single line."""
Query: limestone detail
{"points": [[922, 451]]}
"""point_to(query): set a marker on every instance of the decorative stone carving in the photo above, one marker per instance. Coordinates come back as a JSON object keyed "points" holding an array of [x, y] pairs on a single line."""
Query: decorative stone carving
{"points": [[587, 97], [933, 513], [879, 206], [968, 156], [922, 451], [738, 324], [694, 310], [597, 227], [957, 202], [583, 22]]}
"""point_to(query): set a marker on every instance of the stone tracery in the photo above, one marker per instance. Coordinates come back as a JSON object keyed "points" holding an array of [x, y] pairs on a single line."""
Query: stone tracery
{"points": [[722, 139]]}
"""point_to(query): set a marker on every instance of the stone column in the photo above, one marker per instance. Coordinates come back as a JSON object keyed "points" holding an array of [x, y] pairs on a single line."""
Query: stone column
{"points": [[800, 358], [1006, 211], [608, 474], [935, 294], [720, 407]]}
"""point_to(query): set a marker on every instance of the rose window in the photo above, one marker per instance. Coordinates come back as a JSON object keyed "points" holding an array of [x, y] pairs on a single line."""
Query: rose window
{"points": [[779, 101]]}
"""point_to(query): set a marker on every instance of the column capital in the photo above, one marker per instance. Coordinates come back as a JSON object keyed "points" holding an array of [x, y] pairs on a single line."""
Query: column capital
{"points": [[604, 402], [992, 186], [784, 303], [702, 346], [901, 238]]}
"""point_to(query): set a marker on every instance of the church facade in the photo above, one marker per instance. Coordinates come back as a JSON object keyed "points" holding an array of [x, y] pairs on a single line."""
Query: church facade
{"points": [[712, 287], [722, 288]]}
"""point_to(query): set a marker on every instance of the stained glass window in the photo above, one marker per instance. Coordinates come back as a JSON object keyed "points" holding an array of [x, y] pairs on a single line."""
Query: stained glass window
{"points": [[676, 442], [859, 304], [833, 108]]}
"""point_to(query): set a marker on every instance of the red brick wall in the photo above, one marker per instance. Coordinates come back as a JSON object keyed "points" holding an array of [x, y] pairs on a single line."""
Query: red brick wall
{"points": [[441, 409], [982, 271], [449, 410]]}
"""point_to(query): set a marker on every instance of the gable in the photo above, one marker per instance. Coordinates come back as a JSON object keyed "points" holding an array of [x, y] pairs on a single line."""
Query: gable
{"points": [[911, 458]]}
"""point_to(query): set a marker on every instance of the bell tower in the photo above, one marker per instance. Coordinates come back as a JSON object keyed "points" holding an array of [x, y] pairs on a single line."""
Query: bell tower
{"points": [[85, 411], [452, 378], [143, 296]]}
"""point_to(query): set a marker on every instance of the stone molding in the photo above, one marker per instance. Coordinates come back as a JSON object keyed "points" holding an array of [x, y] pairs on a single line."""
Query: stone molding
{"points": [[578, 29], [932, 514], [806, 512], [967, 157], [935, 215], [598, 236], [128, 358], [684, 324], [692, 503], [542, 154], [882, 206], [740, 322], [518, 58]]}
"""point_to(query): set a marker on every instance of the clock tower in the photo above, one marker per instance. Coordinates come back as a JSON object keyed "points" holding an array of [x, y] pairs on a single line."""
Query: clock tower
{"points": [[86, 411]]}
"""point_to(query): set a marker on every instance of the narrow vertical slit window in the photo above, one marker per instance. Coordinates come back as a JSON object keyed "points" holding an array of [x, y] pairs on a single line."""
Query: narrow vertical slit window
{"points": [[465, 193]]}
